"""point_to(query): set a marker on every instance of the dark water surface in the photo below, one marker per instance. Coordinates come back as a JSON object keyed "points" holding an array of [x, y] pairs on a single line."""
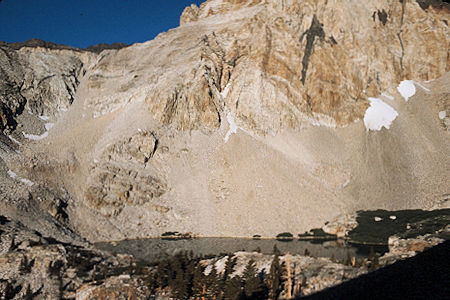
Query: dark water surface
{"points": [[151, 249]]}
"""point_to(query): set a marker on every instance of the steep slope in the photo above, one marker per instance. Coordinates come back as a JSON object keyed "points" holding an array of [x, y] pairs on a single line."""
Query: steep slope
{"points": [[248, 119], [37, 86]]}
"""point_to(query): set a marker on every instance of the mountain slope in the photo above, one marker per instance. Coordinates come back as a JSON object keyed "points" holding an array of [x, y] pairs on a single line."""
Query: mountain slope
{"points": [[248, 119]]}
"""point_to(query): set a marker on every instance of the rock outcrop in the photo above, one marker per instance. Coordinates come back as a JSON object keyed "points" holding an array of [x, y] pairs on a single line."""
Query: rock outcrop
{"points": [[40, 81], [247, 119], [33, 266]]}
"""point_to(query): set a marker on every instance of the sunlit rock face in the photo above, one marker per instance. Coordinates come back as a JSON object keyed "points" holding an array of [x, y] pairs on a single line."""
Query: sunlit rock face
{"points": [[286, 63], [249, 118]]}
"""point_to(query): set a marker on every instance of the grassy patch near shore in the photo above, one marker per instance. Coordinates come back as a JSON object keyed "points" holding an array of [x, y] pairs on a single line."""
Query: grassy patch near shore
{"points": [[375, 227]]}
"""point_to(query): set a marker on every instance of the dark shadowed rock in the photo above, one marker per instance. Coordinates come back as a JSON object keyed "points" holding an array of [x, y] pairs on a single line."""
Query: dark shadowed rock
{"points": [[102, 46], [424, 276]]}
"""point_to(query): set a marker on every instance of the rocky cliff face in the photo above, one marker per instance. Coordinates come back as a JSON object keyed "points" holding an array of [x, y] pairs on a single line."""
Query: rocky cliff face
{"points": [[42, 82], [247, 119]]}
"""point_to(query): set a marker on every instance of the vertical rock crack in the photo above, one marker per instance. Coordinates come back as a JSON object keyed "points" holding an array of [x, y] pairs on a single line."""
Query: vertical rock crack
{"points": [[316, 29]]}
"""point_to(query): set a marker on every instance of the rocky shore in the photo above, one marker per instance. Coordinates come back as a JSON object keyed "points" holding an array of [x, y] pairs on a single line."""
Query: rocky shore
{"points": [[39, 267]]}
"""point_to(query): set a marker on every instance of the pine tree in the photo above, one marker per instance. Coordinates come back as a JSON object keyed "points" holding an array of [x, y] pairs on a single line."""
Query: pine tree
{"points": [[162, 273], [348, 261], [176, 268], [233, 289], [373, 258], [180, 286], [229, 267], [199, 283], [304, 282], [307, 253], [254, 287], [213, 284], [274, 281], [189, 272], [275, 250], [251, 282]]}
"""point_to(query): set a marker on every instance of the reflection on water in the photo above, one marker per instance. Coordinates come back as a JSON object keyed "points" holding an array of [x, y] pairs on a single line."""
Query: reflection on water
{"points": [[152, 249]]}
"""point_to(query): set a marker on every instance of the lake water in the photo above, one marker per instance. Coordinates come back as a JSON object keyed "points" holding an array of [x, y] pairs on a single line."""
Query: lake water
{"points": [[151, 249]]}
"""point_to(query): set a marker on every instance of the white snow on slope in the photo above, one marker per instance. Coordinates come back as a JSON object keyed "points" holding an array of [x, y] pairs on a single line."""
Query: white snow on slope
{"points": [[442, 114], [345, 183], [26, 181], [35, 137], [225, 91], [14, 140], [12, 174], [232, 126], [379, 115], [407, 89], [48, 126], [23, 180], [45, 118], [219, 265]]}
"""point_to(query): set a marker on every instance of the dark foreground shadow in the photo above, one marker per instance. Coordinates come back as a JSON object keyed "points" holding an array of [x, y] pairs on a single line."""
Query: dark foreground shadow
{"points": [[424, 276]]}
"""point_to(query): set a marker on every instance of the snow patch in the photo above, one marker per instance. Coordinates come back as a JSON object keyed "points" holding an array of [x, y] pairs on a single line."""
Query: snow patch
{"points": [[35, 137], [407, 89], [26, 181], [377, 219], [392, 217], [48, 126], [345, 183], [232, 126], [12, 174], [442, 114], [45, 118], [220, 264], [14, 140], [23, 180], [379, 115], [225, 91]]}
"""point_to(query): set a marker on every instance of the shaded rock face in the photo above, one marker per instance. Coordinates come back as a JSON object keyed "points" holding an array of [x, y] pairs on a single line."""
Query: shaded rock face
{"points": [[102, 46], [42, 82], [249, 111], [33, 266], [439, 4], [37, 43]]}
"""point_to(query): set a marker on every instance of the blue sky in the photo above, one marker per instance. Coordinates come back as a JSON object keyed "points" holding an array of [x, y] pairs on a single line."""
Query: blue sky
{"points": [[81, 23]]}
